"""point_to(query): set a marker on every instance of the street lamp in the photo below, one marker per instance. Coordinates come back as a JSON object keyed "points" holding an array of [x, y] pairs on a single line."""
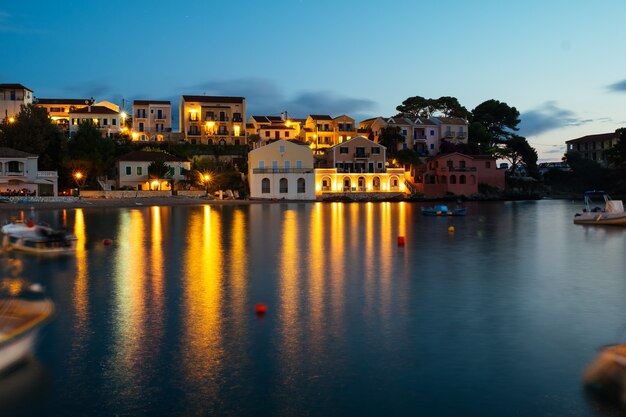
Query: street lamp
{"points": [[78, 176], [206, 178]]}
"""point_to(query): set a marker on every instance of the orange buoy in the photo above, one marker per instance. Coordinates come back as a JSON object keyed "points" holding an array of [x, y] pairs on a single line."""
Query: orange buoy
{"points": [[107, 242], [451, 229], [260, 309], [401, 241]]}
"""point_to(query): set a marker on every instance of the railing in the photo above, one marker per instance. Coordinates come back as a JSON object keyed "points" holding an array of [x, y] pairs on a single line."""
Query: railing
{"points": [[47, 174], [237, 120], [448, 135], [422, 137], [162, 117], [460, 135], [13, 173], [282, 170], [193, 133]]}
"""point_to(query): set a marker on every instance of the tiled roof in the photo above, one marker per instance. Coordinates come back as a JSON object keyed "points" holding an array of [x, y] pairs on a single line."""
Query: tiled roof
{"points": [[452, 120], [146, 102], [14, 153], [145, 156], [15, 86], [94, 110], [320, 117], [594, 138], [261, 119], [276, 127], [214, 99], [70, 101]]}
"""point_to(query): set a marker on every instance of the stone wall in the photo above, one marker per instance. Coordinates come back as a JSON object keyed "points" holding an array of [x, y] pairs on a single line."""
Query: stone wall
{"points": [[124, 194]]}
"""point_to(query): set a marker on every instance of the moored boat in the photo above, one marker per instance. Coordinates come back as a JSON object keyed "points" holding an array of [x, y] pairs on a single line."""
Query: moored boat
{"points": [[37, 238], [443, 210], [22, 313], [607, 212]]}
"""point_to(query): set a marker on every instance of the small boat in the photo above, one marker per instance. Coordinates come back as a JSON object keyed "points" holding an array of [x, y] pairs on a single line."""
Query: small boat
{"points": [[607, 212], [23, 311], [443, 210], [37, 238]]}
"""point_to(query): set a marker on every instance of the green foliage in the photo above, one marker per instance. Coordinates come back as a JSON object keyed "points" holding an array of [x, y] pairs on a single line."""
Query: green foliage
{"points": [[517, 150], [34, 132], [158, 169], [93, 151], [419, 106], [616, 155], [498, 119], [587, 174], [390, 137]]}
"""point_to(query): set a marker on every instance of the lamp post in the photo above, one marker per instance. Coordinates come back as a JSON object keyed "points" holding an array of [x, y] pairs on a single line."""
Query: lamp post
{"points": [[78, 176], [206, 178]]}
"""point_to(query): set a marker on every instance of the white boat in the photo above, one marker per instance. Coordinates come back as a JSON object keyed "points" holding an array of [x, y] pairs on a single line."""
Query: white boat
{"points": [[607, 212], [21, 317], [37, 238]]}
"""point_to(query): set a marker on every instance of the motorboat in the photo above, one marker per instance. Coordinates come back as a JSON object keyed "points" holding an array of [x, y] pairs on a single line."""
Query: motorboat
{"points": [[600, 209], [37, 238], [444, 210], [23, 311], [606, 374]]}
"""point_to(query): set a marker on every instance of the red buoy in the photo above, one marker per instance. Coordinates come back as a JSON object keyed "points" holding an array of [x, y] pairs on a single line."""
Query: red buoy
{"points": [[260, 309], [107, 242], [401, 241], [30, 224]]}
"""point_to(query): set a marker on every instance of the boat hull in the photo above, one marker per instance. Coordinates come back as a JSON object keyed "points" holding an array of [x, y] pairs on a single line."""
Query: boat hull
{"points": [[17, 350], [601, 219]]}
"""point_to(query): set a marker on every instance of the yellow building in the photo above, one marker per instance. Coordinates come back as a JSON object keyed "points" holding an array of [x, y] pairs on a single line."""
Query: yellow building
{"points": [[270, 128], [322, 131], [213, 119], [330, 182]]}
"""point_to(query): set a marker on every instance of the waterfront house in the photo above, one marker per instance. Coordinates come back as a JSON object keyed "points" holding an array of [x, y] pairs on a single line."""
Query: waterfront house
{"points": [[132, 170], [421, 135], [358, 165], [59, 109], [271, 128], [152, 120], [213, 120], [20, 175], [322, 131], [105, 118], [458, 174], [12, 98], [593, 146], [282, 169]]}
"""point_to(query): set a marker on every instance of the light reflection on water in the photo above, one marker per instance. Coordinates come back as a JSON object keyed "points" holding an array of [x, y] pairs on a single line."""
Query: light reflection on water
{"points": [[501, 314]]}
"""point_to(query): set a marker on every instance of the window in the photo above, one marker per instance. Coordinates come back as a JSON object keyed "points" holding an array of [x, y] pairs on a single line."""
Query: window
{"points": [[449, 164], [287, 134], [265, 186], [267, 133], [404, 132], [287, 165], [283, 186], [432, 132], [375, 150], [105, 122], [452, 179], [281, 148], [193, 116], [261, 164], [128, 171], [139, 171], [299, 164], [275, 165], [113, 122], [160, 114], [380, 165], [462, 164], [432, 146], [141, 126], [171, 172], [462, 179], [301, 186], [343, 149]]}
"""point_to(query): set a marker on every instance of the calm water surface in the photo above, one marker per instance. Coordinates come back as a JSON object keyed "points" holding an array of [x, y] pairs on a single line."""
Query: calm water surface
{"points": [[498, 318]]}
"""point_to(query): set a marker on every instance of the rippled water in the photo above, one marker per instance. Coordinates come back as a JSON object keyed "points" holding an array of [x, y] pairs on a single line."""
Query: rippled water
{"points": [[498, 318]]}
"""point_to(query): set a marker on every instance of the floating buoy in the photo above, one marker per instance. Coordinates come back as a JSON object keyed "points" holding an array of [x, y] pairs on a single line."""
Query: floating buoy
{"points": [[260, 309], [107, 242], [451, 229], [30, 224], [401, 241]]}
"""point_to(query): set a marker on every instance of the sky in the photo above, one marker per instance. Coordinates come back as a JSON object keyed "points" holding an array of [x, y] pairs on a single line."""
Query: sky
{"points": [[562, 64]]}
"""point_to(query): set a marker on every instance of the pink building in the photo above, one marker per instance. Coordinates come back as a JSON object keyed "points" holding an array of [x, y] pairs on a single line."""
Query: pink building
{"points": [[458, 174]]}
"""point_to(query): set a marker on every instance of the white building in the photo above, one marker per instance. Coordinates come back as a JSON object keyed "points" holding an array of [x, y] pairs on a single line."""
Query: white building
{"points": [[132, 170], [12, 98], [282, 170], [19, 175], [106, 119]]}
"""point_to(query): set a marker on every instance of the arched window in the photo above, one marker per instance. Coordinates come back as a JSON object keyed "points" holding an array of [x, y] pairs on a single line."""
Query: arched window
{"points": [[325, 183], [462, 179], [361, 183], [376, 183], [283, 186], [346, 184], [393, 181], [301, 186], [452, 179], [265, 186]]}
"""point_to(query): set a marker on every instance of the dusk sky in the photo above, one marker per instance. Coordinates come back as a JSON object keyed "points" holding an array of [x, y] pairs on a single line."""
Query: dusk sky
{"points": [[562, 64]]}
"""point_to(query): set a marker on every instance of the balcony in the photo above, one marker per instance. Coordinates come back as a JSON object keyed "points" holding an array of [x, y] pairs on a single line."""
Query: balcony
{"points": [[47, 174], [161, 117], [448, 135], [237, 119], [460, 135], [13, 173], [193, 133], [420, 137], [282, 170]]}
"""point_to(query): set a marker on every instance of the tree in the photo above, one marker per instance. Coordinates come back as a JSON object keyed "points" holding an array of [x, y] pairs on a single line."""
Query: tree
{"points": [[419, 106], [450, 107], [617, 154], [92, 150], [390, 137], [34, 132], [158, 170], [498, 119], [517, 150]]}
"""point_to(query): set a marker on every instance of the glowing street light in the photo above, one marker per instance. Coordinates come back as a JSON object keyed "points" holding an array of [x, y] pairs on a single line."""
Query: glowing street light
{"points": [[206, 178], [11, 119], [78, 176]]}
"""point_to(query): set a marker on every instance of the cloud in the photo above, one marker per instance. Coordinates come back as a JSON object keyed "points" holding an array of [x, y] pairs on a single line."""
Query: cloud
{"points": [[548, 117], [265, 97], [618, 87], [560, 150]]}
